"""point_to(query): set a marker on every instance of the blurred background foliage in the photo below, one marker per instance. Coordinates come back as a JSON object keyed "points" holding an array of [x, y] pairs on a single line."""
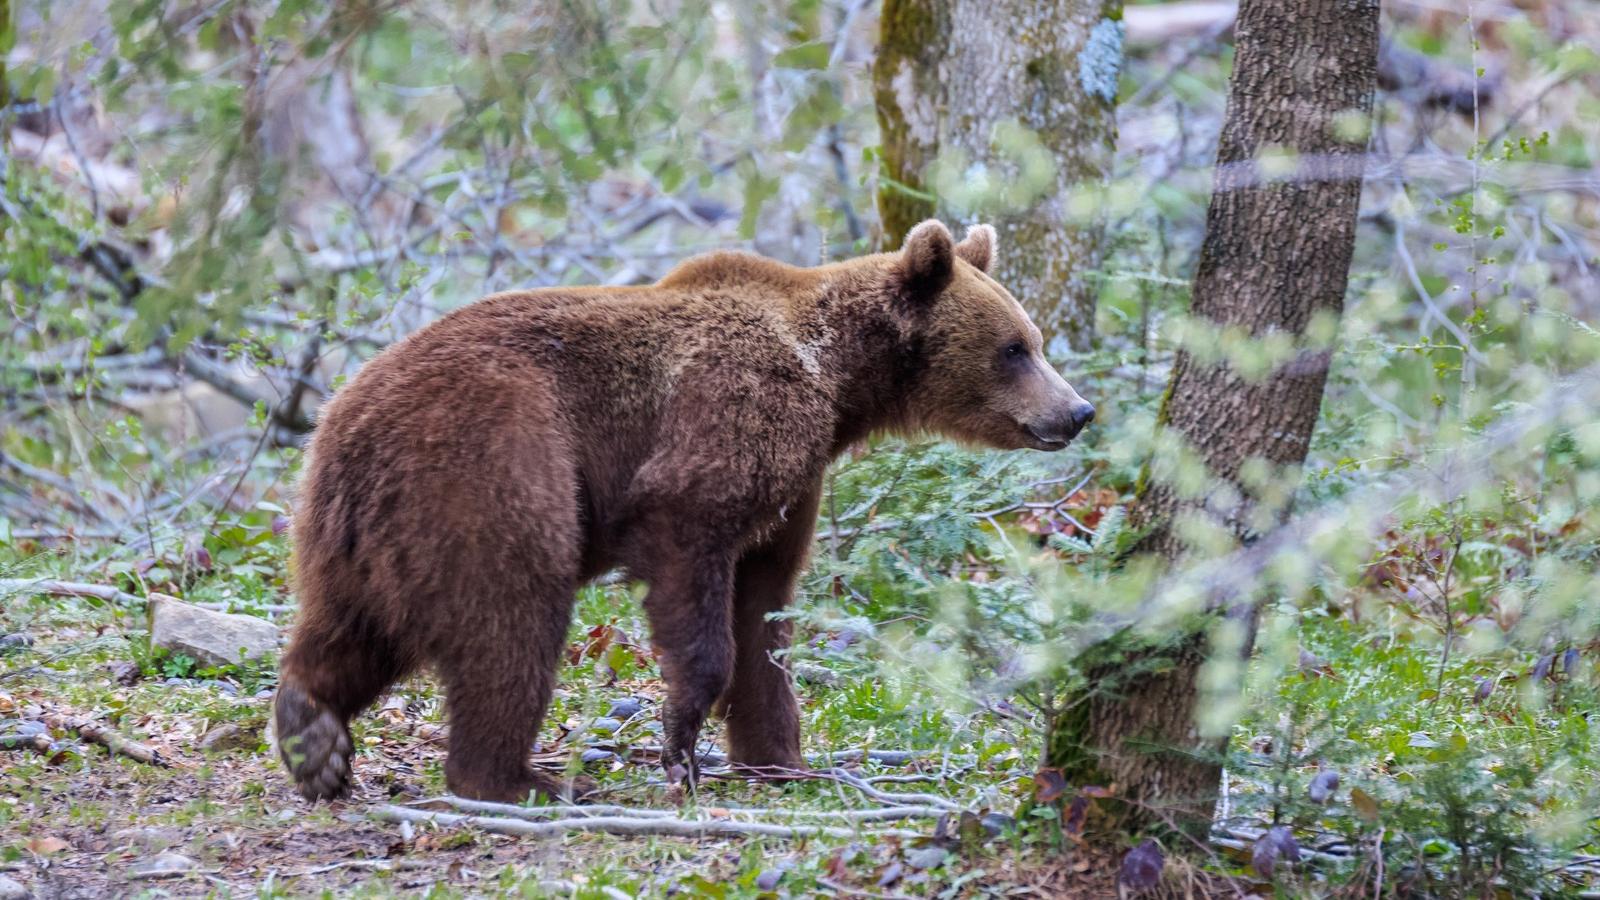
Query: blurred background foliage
{"points": [[214, 211]]}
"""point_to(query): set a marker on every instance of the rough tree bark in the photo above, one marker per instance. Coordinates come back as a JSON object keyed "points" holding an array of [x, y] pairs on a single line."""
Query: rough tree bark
{"points": [[950, 76], [1275, 259]]}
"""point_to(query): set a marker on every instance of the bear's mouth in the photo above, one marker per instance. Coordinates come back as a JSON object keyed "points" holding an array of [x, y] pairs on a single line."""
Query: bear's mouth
{"points": [[1044, 442]]}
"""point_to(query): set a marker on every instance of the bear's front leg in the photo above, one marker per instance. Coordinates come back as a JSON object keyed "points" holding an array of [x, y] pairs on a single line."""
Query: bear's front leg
{"points": [[691, 621], [763, 716]]}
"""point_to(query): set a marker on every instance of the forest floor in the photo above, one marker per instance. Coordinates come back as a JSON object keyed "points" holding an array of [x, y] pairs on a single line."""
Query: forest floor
{"points": [[1488, 735], [79, 821]]}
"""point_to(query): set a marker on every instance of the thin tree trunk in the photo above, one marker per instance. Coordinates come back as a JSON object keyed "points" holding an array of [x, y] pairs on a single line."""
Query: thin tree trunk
{"points": [[7, 39], [1274, 264], [954, 79]]}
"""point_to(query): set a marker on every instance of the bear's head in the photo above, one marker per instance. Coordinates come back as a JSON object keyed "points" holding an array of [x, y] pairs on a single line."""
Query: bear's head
{"points": [[984, 378]]}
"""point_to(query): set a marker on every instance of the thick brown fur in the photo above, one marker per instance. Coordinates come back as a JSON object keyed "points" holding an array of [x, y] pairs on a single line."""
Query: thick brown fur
{"points": [[471, 478]]}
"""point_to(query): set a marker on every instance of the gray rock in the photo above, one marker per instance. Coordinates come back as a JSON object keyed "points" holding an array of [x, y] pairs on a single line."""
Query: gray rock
{"points": [[815, 674], [17, 641], [625, 708], [147, 837], [926, 857], [22, 728], [164, 865], [228, 737], [996, 824], [594, 754], [11, 889], [604, 725], [211, 638]]}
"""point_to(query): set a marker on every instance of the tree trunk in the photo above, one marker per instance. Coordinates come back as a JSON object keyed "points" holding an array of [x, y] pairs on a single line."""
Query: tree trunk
{"points": [[7, 39], [1274, 265], [954, 81]]}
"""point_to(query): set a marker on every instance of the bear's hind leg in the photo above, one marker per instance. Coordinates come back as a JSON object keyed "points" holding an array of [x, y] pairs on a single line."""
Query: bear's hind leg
{"points": [[497, 700], [326, 679]]}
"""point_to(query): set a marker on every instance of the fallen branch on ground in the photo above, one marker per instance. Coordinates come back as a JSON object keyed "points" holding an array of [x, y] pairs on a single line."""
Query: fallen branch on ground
{"points": [[728, 813], [68, 589], [95, 733], [882, 757], [630, 825], [852, 780], [38, 742], [112, 595]]}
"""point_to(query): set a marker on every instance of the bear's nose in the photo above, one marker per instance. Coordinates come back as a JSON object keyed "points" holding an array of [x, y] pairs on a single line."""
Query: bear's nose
{"points": [[1076, 417], [1081, 415]]}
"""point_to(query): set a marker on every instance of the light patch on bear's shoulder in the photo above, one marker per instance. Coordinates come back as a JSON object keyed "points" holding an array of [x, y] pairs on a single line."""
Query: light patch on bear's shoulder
{"points": [[808, 352]]}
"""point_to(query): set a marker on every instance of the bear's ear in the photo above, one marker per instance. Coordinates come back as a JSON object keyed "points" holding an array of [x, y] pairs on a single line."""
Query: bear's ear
{"points": [[927, 261], [977, 247]]}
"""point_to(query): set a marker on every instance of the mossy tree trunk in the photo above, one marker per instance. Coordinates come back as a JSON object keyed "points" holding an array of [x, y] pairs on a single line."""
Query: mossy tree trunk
{"points": [[1274, 264], [7, 38], [1018, 95]]}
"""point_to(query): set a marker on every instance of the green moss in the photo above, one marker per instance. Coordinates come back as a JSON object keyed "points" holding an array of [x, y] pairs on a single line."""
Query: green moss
{"points": [[910, 33]]}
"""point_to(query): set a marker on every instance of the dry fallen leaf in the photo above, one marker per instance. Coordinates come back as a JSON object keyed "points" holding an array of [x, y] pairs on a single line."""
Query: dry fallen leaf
{"points": [[47, 846]]}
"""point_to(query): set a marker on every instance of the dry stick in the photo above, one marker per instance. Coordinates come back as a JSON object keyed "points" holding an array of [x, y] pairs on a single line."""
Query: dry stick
{"points": [[69, 492], [847, 778], [625, 825], [112, 595], [541, 813], [118, 745], [68, 589], [885, 757], [38, 743]]}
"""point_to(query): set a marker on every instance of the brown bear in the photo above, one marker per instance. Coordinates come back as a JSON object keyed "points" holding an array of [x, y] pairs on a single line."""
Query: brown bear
{"points": [[462, 487]]}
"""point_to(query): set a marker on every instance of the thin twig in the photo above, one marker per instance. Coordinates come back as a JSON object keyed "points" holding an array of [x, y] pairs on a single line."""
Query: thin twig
{"points": [[68, 589], [565, 812], [626, 825]]}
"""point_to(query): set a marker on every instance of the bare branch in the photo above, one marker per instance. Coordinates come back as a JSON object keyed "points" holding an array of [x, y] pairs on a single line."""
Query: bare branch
{"points": [[627, 825]]}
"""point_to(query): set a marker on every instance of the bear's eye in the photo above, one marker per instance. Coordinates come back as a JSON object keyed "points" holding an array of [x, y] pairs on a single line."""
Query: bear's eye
{"points": [[1016, 350]]}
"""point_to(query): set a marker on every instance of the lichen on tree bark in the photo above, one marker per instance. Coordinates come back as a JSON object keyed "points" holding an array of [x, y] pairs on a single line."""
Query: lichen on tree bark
{"points": [[953, 75]]}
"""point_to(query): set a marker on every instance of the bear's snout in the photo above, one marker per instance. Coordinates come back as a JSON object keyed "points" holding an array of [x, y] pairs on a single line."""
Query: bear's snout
{"points": [[1060, 430]]}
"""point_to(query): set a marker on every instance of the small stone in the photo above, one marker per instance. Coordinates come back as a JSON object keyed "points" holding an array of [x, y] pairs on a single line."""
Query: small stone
{"points": [[11, 889], [223, 686], [815, 674], [925, 858], [605, 725], [165, 865], [768, 880], [228, 737], [594, 754], [126, 673], [16, 641], [996, 824], [625, 708], [211, 638], [22, 728], [147, 837]]}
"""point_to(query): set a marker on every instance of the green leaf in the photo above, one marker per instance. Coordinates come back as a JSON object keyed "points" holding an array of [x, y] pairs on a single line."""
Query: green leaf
{"points": [[813, 55]]}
